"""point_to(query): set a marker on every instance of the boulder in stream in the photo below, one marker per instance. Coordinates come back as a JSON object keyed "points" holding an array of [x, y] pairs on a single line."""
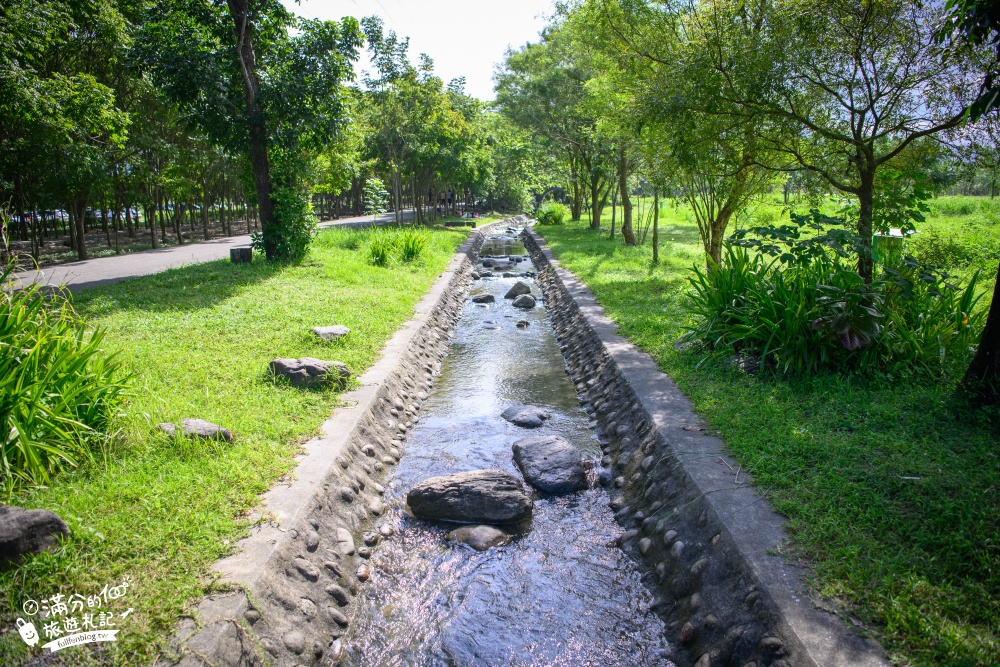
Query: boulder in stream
{"points": [[519, 288], [550, 463], [527, 416], [479, 537], [483, 298], [478, 496], [309, 372], [525, 301]]}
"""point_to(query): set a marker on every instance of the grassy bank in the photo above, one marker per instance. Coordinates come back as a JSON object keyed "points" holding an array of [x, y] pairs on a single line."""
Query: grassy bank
{"points": [[198, 340], [891, 488]]}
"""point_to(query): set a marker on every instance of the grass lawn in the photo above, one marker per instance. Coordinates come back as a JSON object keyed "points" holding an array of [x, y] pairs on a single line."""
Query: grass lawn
{"points": [[892, 490], [198, 340]]}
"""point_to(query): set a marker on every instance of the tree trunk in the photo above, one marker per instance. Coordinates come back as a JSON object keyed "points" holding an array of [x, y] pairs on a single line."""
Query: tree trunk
{"points": [[258, 130], [596, 205], [866, 196], [656, 227], [627, 235], [982, 379], [79, 214], [614, 210], [576, 207], [204, 215]]}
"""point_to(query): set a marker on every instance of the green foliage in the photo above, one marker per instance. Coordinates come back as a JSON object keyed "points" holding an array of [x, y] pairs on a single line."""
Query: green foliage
{"points": [[375, 196], [381, 244], [198, 339], [294, 224], [883, 481], [59, 390], [801, 306], [411, 244], [552, 213]]}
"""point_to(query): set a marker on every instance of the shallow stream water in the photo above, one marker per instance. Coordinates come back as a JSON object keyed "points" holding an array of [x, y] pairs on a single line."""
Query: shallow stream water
{"points": [[562, 592]]}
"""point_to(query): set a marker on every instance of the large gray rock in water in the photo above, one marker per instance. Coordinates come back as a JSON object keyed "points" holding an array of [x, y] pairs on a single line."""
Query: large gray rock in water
{"points": [[525, 301], [550, 463], [309, 372], [479, 496], [517, 290], [528, 416], [483, 298], [198, 428], [480, 537], [331, 333], [28, 531]]}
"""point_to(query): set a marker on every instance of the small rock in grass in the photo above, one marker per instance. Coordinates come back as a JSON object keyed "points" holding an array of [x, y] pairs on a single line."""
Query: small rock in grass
{"points": [[309, 372], [198, 428], [331, 333], [28, 531]]}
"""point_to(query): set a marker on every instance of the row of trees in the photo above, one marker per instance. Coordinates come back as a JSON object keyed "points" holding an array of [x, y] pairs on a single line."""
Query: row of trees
{"points": [[719, 101], [121, 115]]}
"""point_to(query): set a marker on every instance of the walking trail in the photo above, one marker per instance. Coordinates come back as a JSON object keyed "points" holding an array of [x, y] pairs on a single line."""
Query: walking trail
{"points": [[77, 276]]}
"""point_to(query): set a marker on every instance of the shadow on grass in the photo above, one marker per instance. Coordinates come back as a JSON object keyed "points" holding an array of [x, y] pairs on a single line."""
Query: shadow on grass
{"points": [[183, 289]]}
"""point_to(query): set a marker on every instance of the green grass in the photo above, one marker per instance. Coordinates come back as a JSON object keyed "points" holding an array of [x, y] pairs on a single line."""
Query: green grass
{"points": [[198, 340], [914, 559]]}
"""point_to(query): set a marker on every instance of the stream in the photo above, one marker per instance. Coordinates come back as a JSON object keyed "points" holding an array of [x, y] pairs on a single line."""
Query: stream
{"points": [[562, 592]]}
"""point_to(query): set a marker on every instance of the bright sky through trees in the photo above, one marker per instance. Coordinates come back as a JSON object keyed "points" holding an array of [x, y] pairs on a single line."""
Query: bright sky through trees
{"points": [[463, 37]]}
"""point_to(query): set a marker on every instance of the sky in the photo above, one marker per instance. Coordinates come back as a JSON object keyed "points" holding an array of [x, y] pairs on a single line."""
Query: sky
{"points": [[463, 37]]}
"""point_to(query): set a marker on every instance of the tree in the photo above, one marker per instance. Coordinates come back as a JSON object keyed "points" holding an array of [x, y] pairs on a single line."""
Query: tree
{"points": [[977, 22], [848, 85], [543, 87], [256, 79]]}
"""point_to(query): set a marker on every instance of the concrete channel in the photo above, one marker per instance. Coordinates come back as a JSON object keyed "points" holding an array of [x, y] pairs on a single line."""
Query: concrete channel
{"points": [[665, 559]]}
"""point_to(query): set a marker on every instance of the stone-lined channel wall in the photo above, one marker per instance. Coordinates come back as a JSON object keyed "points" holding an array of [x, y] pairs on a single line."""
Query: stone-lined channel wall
{"points": [[708, 541], [290, 582]]}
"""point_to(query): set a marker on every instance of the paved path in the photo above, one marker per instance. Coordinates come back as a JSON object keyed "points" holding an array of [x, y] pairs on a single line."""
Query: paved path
{"points": [[105, 270]]}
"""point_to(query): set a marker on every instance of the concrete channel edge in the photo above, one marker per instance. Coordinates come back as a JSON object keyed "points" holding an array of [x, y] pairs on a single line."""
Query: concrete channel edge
{"points": [[285, 588], [710, 546]]}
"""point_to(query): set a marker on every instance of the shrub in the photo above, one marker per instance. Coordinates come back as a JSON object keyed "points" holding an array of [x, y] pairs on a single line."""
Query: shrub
{"points": [[58, 389], [795, 299], [381, 243], [411, 244], [551, 213]]}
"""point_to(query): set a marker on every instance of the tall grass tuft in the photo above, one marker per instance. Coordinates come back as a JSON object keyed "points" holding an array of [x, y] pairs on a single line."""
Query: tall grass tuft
{"points": [[381, 243], [411, 244], [59, 391], [803, 308], [552, 213]]}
